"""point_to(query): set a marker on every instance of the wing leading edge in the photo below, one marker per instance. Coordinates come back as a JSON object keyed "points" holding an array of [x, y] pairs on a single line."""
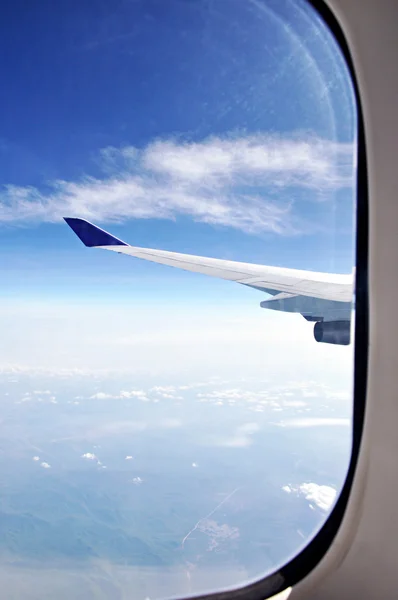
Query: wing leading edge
{"points": [[319, 297]]}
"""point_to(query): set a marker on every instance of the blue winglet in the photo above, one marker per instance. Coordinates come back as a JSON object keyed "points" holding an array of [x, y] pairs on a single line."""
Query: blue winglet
{"points": [[91, 235]]}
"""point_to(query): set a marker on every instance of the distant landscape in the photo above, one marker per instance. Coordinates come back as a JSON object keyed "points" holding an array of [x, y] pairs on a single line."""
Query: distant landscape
{"points": [[122, 490]]}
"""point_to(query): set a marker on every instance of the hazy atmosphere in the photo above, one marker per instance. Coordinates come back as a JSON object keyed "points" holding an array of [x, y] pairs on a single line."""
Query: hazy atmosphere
{"points": [[161, 434]]}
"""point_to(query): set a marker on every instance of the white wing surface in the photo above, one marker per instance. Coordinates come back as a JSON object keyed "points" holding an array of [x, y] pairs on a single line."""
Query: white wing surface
{"points": [[317, 296]]}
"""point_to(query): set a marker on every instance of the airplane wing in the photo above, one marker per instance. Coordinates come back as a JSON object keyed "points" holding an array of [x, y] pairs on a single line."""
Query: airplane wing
{"points": [[320, 297]]}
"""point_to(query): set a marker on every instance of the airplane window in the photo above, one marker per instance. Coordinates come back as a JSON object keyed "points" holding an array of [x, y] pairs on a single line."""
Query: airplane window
{"points": [[177, 218]]}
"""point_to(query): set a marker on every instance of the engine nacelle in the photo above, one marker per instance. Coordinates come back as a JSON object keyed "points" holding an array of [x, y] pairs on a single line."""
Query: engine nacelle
{"points": [[333, 332]]}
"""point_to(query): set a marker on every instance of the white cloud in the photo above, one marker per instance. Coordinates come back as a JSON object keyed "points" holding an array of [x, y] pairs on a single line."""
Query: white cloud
{"points": [[164, 389], [139, 394], [45, 465], [128, 458], [257, 398], [36, 458], [315, 422], [322, 496], [137, 480], [89, 456], [101, 396], [218, 180], [58, 372], [194, 465], [344, 395]]}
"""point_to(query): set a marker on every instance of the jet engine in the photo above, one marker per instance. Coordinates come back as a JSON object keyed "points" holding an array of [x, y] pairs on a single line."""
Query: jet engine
{"points": [[333, 332]]}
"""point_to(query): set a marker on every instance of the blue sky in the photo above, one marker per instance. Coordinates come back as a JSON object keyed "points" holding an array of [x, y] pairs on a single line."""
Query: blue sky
{"points": [[218, 128]]}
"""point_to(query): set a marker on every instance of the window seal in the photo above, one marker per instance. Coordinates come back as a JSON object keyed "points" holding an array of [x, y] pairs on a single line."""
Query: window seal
{"points": [[300, 566]]}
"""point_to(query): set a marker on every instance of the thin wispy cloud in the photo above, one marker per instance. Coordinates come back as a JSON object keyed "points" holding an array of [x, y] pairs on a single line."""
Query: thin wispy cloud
{"points": [[58, 372], [242, 437], [234, 182], [126, 427], [315, 422]]}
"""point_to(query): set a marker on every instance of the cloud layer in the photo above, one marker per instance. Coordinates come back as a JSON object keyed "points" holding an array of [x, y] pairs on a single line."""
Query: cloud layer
{"points": [[234, 181]]}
